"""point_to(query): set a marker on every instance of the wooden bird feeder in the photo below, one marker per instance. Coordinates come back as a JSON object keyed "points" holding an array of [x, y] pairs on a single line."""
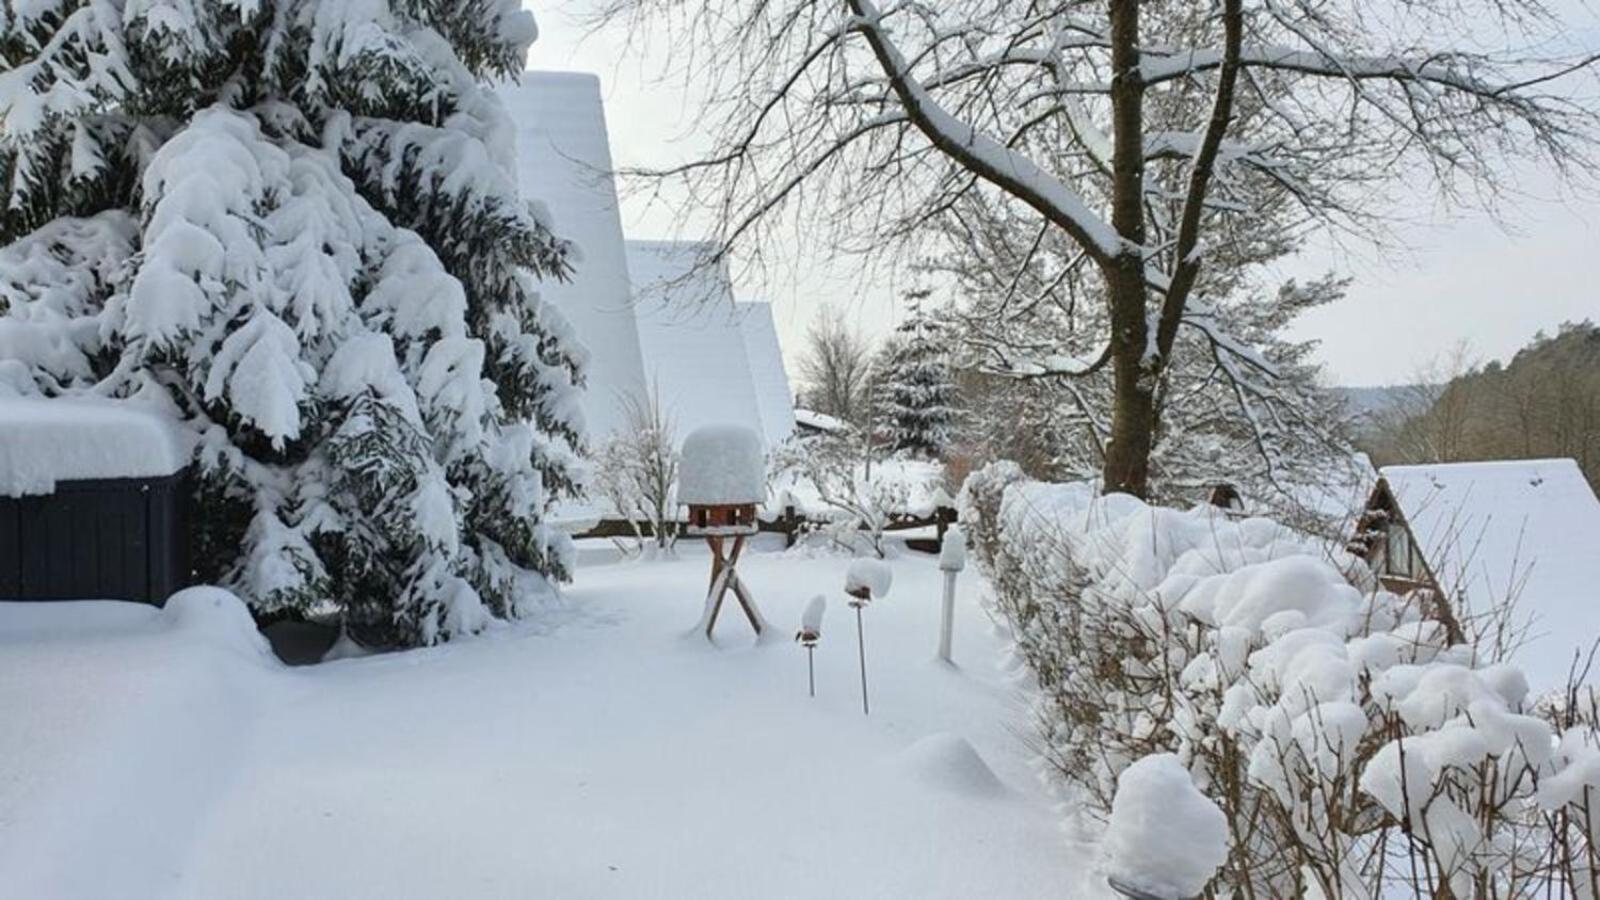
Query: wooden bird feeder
{"points": [[722, 476]]}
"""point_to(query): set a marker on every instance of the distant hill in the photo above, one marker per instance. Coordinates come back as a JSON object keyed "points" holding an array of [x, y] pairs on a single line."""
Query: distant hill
{"points": [[1543, 403], [1372, 408]]}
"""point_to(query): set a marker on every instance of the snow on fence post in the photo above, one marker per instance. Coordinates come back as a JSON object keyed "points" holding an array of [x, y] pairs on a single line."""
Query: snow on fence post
{"points": [[810, 632], [952, 559], [866, 579]]}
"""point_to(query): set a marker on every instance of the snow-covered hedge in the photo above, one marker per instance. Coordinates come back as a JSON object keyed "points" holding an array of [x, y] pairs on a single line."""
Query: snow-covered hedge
{"points": [[1353, 750]]}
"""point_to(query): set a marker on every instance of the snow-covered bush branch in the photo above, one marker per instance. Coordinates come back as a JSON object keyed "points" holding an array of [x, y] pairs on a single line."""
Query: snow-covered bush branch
{"points": [[859, 503], [1354, 750], [636, 469]]}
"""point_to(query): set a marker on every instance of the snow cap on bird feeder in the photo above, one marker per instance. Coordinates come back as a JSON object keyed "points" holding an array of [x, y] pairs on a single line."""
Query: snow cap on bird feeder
{"points": [[722, 475], [953, 550], [868, 579]]}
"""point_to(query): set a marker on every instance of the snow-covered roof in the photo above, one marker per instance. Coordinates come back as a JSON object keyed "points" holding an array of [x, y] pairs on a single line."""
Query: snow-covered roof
{"points": [[1523, 528], [649, 318], [810, 418], [771, 380], [564, 161], [45, 441], [722, 464], [690, 334]]}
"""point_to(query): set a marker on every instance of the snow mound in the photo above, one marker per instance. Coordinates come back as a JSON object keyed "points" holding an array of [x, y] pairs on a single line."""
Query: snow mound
{"points": [[870, 575], [66, 439], [950, 761], [1164, 837], [722, 464], [217, 617]]}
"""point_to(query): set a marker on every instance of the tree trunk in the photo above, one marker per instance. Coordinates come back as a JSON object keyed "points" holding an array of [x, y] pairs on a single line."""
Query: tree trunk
{"points": [[1133, 416]]}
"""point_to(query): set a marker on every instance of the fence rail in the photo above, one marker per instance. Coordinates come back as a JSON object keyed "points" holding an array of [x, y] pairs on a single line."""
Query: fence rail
{"points": [[792, 524]]}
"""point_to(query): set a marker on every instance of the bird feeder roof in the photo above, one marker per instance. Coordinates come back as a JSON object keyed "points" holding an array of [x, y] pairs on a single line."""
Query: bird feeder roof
{"points": [[722, 465]]}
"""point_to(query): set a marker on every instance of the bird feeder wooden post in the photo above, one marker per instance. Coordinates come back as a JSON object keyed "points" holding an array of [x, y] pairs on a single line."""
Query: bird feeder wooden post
{"points": [[722, 478]]}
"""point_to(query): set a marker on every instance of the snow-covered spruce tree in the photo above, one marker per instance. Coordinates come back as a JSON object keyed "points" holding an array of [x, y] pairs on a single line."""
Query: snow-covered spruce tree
{"points": [[297, 221], [918, 385]]}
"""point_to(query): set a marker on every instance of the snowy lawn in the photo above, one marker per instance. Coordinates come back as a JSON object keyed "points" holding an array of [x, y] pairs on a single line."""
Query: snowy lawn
{"points": [[601, 753]]}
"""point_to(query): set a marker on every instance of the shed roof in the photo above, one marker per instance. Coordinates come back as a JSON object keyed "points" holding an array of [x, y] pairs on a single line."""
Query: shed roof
{"points": [[1528, 529]]}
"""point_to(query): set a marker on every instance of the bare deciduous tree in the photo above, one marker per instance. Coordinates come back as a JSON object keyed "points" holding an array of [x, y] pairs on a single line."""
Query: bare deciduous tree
{"points": [[637, 470], [866, 123], [837, 369]]}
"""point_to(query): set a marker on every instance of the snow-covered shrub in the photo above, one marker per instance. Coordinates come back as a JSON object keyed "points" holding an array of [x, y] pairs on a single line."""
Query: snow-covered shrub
{"points": [[1352, 748], [1164, 837], [636, 469], [298, 219], [861, 505]]}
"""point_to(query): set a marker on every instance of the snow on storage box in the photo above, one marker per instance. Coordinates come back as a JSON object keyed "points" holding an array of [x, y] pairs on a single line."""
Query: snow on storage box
{"points": [[90, 501]]}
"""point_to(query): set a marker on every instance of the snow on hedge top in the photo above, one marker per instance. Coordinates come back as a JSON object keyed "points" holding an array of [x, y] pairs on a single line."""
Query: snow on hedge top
{"points": [[44, 441], [1164, 837], [722, 464], [1528, 529]]}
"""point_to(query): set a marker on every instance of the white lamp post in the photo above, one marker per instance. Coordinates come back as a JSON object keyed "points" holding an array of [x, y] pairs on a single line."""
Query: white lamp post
{"points": [[952, 559]]}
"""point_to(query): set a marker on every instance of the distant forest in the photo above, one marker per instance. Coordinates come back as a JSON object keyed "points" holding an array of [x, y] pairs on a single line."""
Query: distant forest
{"points": [[1544, 403]]}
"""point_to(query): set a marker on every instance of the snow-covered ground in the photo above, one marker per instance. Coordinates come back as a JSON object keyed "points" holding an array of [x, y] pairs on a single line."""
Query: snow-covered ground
{"points": [[601, 752]]}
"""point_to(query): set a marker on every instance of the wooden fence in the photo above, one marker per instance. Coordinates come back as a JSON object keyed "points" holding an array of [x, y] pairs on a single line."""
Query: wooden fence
{"points": [[792, 525]]}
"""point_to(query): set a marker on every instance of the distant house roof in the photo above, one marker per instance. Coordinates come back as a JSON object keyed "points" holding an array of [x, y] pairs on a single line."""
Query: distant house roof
{"points": [[771, 379], [695, 357], [811, 420], [1528, 529], [650, 317]]}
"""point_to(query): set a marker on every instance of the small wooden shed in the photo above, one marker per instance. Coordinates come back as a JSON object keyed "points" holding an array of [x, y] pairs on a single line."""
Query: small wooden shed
{"points": [[1470, 537], [92, 501]]}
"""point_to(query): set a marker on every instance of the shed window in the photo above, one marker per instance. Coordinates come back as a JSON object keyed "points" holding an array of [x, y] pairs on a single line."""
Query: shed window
{"points": [[1399, 559]]}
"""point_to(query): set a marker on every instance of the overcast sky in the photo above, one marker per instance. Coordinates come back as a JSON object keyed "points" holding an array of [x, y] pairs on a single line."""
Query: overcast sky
{"points": [[1461, 277]]}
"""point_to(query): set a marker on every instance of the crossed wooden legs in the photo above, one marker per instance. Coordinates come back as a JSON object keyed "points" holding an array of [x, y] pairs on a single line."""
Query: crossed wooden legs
{"points": [[725, 575]]}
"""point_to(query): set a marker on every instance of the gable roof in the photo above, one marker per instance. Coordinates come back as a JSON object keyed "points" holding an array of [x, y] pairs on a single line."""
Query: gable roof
{"points": [[690, 334], [771, 380], [1528, 529], [564, 161]]}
